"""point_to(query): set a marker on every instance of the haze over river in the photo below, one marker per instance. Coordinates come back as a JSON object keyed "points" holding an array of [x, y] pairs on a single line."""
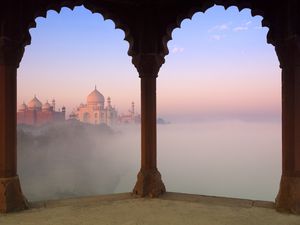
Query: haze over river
{"points": [[224, 158]]}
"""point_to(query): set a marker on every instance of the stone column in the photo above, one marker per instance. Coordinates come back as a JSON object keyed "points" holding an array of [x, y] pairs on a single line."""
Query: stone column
{"points": [[288, 198], [149, 181], [11, 197]]}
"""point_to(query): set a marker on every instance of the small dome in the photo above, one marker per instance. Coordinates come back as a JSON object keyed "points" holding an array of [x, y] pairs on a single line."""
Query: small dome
{"points": [[95, 97], [34, 103], [23, 107], [46, 106]]}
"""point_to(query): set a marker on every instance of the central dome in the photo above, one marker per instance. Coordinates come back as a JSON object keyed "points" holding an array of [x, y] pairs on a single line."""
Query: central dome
{"points": [[95, 97], [35, 103]]}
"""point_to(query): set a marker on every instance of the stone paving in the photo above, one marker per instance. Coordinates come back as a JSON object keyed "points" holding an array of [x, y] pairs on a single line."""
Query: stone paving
{"points": [[171, 208]]}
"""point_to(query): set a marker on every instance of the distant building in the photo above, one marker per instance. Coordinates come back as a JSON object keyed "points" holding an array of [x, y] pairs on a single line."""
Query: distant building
{"points": [[94, 111], [36, 113], [131, 117]]}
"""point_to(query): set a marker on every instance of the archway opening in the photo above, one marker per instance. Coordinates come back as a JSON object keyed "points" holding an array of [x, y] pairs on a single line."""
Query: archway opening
{"points": [[92, 151], [223, 105]]}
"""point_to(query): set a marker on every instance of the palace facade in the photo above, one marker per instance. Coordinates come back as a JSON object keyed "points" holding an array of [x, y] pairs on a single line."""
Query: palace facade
{"points": [[36, 113]]}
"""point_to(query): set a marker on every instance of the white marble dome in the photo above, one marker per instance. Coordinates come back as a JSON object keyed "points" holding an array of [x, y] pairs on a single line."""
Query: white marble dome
{"points": [[95, 97]]}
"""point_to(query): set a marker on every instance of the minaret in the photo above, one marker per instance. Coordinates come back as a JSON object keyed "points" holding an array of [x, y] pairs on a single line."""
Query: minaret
{"points": [[108, 102], [108, 112], [132, 110], [63, 110], [53, 104]]}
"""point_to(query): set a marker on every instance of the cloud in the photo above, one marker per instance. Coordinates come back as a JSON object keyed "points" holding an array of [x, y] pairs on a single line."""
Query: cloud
{"points": [[240, 28], [221, 27], [248, 23], [243, 27], [177, 50], [216, 37]]}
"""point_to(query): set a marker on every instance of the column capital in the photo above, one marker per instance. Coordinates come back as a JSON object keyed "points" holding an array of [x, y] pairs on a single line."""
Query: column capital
{"points": [[288, 51], [11, 51], [148, 65]]}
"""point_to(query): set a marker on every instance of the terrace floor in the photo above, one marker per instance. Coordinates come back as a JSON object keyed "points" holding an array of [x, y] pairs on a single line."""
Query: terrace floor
{"points": [[171, 208]]}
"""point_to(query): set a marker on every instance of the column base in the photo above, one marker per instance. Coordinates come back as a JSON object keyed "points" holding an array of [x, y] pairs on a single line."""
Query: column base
{"points": [[288, 198], [11, 196], [149, 184]]}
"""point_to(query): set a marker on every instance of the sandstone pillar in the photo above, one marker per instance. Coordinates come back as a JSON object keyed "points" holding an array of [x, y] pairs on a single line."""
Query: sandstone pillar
{"points": [[288, 198], [149, 181], [11, 197]]}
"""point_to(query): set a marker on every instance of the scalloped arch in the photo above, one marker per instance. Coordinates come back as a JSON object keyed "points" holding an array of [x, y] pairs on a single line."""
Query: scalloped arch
{"points": [[189, 12], [107, 14]]}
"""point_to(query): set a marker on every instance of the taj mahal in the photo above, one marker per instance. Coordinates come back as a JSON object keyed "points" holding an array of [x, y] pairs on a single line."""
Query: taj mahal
{"points": [[95, 111]]}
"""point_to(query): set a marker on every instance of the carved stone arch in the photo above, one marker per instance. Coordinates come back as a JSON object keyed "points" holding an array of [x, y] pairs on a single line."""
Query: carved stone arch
{"points": [[112, 11], [187, 11]]}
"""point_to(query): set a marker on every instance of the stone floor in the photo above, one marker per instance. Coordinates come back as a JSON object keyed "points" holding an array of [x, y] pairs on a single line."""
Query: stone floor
{"points": [[172, 208]]}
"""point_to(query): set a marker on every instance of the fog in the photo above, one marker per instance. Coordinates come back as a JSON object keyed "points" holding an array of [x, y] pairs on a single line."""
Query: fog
{"points": [[223, 158], [72, 159]]}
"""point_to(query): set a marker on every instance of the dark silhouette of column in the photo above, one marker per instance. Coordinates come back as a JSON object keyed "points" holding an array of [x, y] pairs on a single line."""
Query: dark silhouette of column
{"points": [[11, 197], [288, 198], [149, 181]]}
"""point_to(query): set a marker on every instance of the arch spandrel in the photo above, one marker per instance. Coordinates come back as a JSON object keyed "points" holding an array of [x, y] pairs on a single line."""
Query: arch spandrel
{"points": [[20, 17], [147, 25], [152, 23], [189, 9]]}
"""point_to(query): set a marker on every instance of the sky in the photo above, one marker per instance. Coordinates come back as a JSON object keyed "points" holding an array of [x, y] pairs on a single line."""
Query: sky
{"points": [[219, 66]]}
